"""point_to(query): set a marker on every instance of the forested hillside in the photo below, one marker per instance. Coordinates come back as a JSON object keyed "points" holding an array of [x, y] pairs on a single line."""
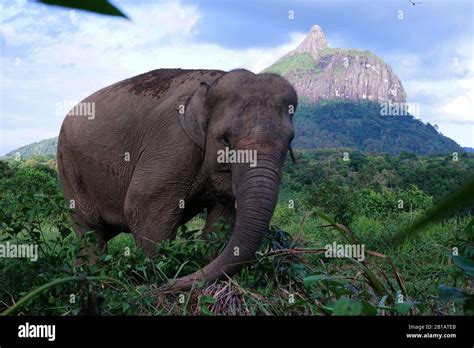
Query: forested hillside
{"points": [[46, 147], [362, 126]]}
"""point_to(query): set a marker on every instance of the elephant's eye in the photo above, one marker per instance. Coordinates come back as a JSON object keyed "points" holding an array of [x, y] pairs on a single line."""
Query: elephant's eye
{"points": [[224, 140]]}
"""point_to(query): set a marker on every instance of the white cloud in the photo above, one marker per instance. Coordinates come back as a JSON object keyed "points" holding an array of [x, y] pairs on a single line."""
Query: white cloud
{"points": [[445, 94], [405, 65], [11, 9], [447, 103], [448, 100], [459, 109]]}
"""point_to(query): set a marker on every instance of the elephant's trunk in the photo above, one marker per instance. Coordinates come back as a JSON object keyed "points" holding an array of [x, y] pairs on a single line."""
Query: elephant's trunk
{"points": [[256, 192]]}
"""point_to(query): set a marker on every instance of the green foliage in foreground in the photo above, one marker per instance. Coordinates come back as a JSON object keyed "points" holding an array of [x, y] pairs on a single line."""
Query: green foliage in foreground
{"points": [[103, 7], [430, 273]]}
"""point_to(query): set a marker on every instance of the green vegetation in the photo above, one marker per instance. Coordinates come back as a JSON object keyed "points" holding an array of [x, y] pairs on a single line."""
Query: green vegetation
{"points": [[304, 61], [368, 199], [297, 62], [46, 147], [349, 52], [360, 125]]}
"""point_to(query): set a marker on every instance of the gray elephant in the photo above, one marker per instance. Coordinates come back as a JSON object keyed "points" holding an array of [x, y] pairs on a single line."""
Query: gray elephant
{"points": [[163, 146]]}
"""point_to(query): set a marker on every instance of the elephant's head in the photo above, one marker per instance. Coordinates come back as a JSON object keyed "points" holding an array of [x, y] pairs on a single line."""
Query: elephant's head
{"points": [[249, 116]]}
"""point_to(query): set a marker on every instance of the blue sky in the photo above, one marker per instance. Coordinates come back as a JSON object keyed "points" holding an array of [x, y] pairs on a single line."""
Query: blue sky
{"points": [[51, 57]]}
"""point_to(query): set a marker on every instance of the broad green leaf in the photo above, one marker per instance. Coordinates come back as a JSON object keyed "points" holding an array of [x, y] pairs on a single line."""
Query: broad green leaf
{"points": [[450, 294], [346, 306], [368, 308], [403, 307], [203, 302], [466, 264], [308, 281], [97, 6]]}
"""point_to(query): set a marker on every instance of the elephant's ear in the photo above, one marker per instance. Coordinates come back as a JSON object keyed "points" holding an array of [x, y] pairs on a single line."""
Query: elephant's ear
{"points": [[193, 115]]}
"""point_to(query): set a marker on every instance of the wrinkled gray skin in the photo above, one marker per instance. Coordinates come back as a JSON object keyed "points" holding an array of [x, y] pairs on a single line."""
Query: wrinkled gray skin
{"points": [[173, 156]]}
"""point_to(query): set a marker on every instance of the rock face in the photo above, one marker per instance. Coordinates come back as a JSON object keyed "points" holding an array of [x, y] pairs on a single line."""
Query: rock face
{"points": [[313, 43], [319, 72]]}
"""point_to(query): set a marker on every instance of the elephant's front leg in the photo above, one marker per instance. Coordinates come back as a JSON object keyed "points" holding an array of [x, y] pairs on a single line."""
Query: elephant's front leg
{"points": [[219, 212], [151, 219]]}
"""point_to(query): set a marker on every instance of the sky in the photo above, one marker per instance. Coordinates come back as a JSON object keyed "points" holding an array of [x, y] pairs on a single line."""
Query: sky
{"points": [[52, 57]]}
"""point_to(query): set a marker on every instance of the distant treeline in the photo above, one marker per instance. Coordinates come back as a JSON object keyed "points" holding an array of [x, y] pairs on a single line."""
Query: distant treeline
{"points": [[348, 183]]}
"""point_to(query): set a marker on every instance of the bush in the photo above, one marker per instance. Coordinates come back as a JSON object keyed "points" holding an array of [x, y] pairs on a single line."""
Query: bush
{"points": [[333, 197], [283, 215], [370, 203]]}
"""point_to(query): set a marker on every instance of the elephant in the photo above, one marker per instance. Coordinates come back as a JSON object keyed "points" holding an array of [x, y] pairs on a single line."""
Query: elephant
{"points": [[147, 160]]}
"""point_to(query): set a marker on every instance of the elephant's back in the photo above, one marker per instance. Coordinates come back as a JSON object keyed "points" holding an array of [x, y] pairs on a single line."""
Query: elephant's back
{"points": [[159, 83], [123, 104], [155, 83], [129, 104]]}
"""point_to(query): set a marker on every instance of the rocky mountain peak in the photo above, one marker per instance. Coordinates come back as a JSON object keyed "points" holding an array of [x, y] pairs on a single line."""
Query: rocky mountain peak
{"points": [[313, 43], [319, 72]]}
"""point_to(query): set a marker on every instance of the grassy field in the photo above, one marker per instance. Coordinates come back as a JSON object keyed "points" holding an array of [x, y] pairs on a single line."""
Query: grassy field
{"points": [[289, 276]]}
